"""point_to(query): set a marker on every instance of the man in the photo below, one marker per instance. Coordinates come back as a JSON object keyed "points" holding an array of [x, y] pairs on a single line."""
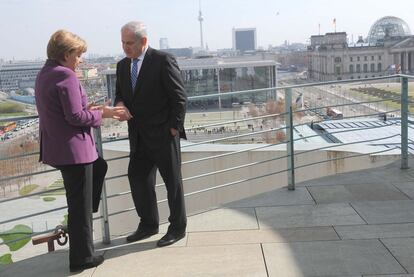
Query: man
{"points": [[150, 87]]}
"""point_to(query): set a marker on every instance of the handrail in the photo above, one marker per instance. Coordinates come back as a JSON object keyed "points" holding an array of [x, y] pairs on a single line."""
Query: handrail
{"points": [[216, 95], [289, 142]]}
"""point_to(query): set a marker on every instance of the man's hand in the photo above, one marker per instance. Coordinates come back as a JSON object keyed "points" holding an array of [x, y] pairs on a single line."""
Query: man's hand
{"points": [[124, 113], [173, 132]]}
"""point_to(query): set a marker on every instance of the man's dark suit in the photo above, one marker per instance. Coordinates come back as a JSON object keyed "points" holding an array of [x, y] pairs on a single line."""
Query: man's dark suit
{"points": [[157, 105]]}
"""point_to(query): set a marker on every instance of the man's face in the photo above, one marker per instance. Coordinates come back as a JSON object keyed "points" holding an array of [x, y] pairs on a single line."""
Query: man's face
{"points": [[132, 46]]}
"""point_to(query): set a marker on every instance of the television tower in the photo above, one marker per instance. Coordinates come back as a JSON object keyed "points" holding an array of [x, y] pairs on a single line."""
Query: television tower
{"points": [[200, 18]]}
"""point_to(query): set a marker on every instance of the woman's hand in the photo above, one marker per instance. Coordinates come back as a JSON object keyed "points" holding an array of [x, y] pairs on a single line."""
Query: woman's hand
{"points": [[120, 112]]}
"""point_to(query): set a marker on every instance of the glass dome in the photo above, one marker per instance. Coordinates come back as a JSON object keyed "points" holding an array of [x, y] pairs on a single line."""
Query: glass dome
{"points": [[388, 26]]}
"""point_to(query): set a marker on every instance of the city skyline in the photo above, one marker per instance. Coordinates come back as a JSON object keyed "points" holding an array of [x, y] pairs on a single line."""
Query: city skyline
{"points": [[26, 25]]}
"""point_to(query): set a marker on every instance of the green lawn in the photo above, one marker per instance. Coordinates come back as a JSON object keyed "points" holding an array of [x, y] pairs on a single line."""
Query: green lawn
{"points": [[18, 231], [27, 189], [395, 87], [6, 259], [65, 220], [57, 184], [391, 87], [6, 115], [391, 105], [49, 199]]}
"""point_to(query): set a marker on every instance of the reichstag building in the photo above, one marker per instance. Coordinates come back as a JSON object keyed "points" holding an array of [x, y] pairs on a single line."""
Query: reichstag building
{"points": [[388, 49]]}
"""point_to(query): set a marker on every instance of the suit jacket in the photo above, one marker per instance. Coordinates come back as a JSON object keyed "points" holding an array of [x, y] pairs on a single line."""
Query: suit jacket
{"points": [[64, 122], [158, 102]]}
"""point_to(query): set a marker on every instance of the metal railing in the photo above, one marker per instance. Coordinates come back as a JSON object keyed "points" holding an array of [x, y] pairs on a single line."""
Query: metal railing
{"points": [[289, 142]]}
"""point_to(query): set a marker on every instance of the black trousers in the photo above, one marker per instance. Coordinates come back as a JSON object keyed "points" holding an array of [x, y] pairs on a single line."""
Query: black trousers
{"points": [[142, 169], [83, 184]]}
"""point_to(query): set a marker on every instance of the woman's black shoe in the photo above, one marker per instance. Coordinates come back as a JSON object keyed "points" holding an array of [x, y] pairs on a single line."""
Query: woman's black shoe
{"points": [[96, 260]]}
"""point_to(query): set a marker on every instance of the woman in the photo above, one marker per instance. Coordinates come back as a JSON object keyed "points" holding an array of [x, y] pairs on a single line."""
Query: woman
{"points": [[67, 143]]}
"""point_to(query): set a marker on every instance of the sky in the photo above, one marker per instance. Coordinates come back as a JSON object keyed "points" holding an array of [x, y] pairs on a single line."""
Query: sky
{"points": [[26, 25]]}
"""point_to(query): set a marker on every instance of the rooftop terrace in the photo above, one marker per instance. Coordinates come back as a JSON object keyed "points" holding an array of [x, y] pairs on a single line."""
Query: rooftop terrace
{"points": [[256, 210], [352, 224]]}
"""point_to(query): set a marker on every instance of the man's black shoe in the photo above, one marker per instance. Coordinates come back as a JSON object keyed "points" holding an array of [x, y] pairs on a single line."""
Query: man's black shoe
{"points": [[96, 260], [140, 235], [170, 238]]}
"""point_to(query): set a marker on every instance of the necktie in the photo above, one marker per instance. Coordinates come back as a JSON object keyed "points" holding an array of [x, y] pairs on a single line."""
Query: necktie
{"points": [[134, 73]]}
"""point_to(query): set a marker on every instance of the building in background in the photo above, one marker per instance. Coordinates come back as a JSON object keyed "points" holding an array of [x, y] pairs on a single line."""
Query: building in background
{"points": [[216, 75], [164, 43], [388, 49], [244, 39], [86, 72], [17, 76], [180, 52]]}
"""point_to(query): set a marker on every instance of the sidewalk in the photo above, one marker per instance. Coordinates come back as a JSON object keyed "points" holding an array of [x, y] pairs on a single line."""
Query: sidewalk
{"points": [[353, 224]]}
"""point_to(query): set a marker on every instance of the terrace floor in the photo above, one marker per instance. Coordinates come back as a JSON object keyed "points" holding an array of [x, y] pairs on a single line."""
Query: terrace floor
{"points": [[352, 224]]}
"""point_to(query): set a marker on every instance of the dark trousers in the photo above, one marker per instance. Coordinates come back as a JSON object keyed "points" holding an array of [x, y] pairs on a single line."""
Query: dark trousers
{"points": [[83, 184], [142, 169]]}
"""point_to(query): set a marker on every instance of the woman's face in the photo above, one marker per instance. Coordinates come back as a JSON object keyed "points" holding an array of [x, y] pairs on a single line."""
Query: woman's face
{"points": [[72, 60]]}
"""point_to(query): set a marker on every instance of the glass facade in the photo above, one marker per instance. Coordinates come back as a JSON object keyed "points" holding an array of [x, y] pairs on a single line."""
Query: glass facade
{"points": [[206, 81], [199, 82], [388, 26], [222, 80]]}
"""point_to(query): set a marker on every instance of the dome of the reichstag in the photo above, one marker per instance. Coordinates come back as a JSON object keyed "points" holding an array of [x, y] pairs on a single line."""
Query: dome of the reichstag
{"points": [[388, 26]]}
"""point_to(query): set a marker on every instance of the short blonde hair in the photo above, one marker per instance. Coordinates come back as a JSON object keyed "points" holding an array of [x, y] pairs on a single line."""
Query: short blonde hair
{"points": [[62, 42]]}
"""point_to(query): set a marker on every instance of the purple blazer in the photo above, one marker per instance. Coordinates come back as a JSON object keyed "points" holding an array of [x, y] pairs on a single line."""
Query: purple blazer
{"points": [[65, 123]]}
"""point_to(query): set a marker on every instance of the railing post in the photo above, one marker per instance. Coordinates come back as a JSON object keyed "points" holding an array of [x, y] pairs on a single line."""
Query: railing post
{"points": [[289, 138], [404, 122], [104, 204]]}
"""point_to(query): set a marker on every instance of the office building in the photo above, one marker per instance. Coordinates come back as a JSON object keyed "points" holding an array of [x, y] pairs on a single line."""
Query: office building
{"points": [[186, 52], [244, 39], [164, 43], [17, 76]]}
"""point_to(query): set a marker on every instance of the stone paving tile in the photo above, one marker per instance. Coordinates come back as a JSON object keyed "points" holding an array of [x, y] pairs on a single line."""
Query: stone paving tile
{"points": [[55, 264], [279, 197], [392, 175], [345, 179], [220, 261], [149, 243], [234, 219], [329, 258], [261, 236], [395, 178], [406, 187], [390, 275], [221, 220], [403, 251], [375, 231], [354, 193], [307, 216], [377, 212]]}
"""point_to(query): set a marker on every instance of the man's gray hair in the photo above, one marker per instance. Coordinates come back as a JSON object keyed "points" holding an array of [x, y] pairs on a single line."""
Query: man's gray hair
{"points": [[137, 27]]}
